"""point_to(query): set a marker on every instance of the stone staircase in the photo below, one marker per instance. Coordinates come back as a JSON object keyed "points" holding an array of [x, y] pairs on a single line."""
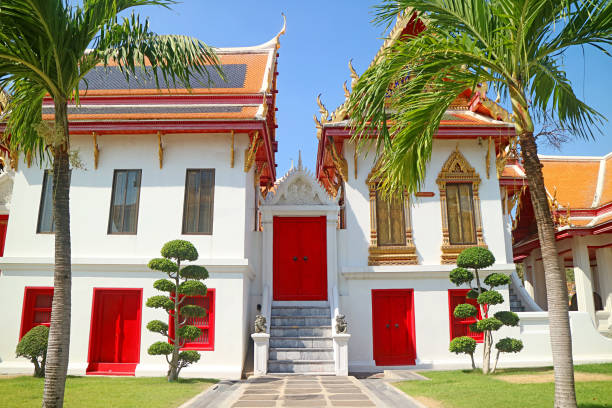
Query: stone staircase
{"points": [[301, 338], [515, 302]]}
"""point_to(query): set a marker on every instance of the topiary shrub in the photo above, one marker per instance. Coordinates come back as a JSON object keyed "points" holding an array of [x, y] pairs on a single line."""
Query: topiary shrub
{"points": [[463, 345], [477, 258], [507, 345], [33, 346], [184, 281]]}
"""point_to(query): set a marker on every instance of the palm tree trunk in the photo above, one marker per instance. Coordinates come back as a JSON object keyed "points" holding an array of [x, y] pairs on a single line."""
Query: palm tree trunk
{"points": [[56, 365], [556, 289]]}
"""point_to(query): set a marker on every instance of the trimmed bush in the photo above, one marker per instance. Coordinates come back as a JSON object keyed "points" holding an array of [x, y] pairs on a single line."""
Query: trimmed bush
{"points": [[473, 293], [507, 318], [491, 297], [33, 346], [164, 285], [474, 328], [497, 279], [180, 250], [465, 310], [460, 276], [509, 345], [184, 282], [489, 323], [192, 287], [475, 258], [163, 265], [194, 272], [463, 345]]}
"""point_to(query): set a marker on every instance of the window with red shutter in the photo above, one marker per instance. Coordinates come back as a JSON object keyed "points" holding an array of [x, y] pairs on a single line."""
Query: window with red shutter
{"points": [[206, 323], [461, 327], [36, 308]]}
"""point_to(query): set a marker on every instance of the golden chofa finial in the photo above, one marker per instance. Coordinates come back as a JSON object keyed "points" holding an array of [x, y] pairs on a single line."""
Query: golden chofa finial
{"points": [[317, 122], [347, 94], [282, 31], [354, 76], [322, 109]]}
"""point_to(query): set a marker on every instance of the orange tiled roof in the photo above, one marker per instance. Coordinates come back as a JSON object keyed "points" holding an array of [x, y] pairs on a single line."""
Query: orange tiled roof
{"points": [[575, 182]]}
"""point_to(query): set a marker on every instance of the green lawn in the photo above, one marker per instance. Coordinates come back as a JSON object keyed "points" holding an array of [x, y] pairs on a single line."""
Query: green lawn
{"points": [[465, 389], [103, 392]]}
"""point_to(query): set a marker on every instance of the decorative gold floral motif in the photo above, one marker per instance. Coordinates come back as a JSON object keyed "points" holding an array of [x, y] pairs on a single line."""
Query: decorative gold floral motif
{"points": [[251, 152]]}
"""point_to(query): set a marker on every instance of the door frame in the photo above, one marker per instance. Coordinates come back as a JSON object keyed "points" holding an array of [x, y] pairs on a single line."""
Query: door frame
{"points": [[412, 334], [92, 324], [322, 220]]}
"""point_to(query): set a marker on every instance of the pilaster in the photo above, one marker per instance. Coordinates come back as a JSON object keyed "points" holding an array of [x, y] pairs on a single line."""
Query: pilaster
{"points": [[583, 277]]}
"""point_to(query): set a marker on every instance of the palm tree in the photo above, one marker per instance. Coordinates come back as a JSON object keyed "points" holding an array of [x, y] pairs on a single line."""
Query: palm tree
{"points": [[516, 46], [46, 48]]}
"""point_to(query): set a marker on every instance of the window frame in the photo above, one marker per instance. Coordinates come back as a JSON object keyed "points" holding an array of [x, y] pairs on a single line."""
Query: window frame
{"points": [[110, 211], [389, 254], [28, 307], [475, 240], [479, 337], [211, 294], [212, 207], [43, 194], [458, 170]]}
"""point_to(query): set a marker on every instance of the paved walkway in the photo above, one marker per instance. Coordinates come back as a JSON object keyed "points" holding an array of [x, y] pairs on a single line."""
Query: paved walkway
{"points": [[302, 391]]}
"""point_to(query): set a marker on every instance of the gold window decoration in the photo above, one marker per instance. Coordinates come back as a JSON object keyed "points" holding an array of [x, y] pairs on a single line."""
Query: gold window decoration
{"points": [[460, 206], [390, 228]]}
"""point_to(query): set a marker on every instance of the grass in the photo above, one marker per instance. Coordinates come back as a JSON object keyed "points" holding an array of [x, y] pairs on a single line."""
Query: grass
{"points": [[104, 392], [465, 389]]}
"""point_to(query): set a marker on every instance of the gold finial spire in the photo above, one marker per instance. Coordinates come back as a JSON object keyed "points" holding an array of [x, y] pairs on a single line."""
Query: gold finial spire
{"points": [[322, 109], [299, 160], [282, 31]]}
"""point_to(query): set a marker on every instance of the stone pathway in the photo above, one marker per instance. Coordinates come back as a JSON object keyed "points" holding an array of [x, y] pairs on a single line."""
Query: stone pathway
{"points": [[302, 391]]}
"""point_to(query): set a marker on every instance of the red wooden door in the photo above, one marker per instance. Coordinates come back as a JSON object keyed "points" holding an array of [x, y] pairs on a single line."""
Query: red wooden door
{"points": [[461, 327], [300, 258], [393, 327], [114, 341]]}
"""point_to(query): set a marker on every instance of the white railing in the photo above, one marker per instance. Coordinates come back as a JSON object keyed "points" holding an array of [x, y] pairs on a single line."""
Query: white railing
{"points": [[521, 292]]}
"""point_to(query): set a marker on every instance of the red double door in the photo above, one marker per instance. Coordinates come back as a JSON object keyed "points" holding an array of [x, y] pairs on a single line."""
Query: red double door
{"points": [[114, 340], [393, 327], [300, 258]]}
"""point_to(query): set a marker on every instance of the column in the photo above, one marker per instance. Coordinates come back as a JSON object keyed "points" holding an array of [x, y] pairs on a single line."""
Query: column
{"points": [[582, 274], [540, 284], [604, 267], [528, 276], [341, 353], [261, 343]]}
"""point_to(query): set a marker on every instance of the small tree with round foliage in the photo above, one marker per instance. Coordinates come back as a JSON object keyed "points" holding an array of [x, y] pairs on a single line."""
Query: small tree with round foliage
{"points": [[477, 258], [33, 346], [183, 282]]}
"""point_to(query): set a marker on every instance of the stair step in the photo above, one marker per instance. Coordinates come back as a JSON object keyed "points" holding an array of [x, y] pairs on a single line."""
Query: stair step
{"points": [[306, 342], [298, 331], [300, 321], [301, 354], [301, 366], [294, 311]]}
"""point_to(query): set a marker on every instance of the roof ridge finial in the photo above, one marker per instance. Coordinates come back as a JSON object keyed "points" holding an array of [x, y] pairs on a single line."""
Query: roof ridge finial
{"points": [[291, 167], [354, 76], [282, 31], [299, 160]]}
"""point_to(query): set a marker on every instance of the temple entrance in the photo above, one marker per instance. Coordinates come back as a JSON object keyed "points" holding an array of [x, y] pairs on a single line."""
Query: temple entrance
{"points": [[114, 341], [300, 258]]}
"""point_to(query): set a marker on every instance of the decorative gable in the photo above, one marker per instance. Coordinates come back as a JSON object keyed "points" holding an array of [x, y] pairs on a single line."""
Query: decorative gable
{"points": [[299, 187]]}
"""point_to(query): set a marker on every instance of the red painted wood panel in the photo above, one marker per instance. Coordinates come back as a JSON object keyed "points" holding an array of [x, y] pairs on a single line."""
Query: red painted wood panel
{"points": [[461, 327], [394, 341], [3, 226], [300, 258], [114, 340], [36, 308], [207, 323]]}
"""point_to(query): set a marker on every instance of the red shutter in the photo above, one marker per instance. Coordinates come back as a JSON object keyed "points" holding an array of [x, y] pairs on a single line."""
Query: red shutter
{"points": [[461, 327], [36, 308], [3, 225], [206, 323]]}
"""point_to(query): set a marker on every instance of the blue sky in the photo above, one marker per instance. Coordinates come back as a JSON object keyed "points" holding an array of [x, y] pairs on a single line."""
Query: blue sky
{"points": [[321, 37]]}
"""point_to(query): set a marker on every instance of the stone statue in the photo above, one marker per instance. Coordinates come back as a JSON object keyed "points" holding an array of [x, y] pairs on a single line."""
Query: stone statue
{"points": [[341, 325], [260, 324]]}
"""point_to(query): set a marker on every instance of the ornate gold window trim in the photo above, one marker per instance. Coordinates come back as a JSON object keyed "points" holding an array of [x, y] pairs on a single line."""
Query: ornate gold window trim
{"points": [[389, 254], [456, 169]]}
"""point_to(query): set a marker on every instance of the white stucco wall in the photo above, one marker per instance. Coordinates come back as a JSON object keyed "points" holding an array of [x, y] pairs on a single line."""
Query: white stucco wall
{"points": [[161, 198], [425, 212], [224, 362]]}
